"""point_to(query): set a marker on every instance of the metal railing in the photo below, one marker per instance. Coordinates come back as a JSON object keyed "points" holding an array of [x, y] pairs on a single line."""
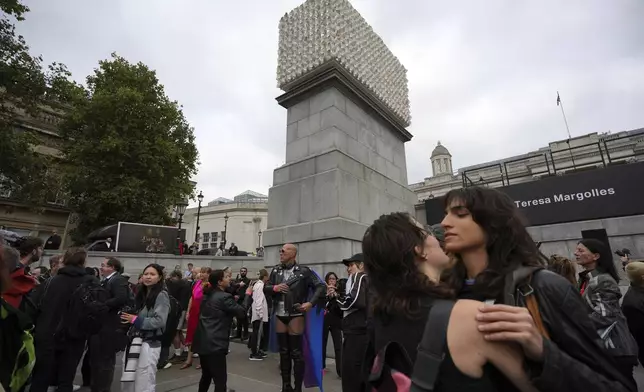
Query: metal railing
{"points": [[607, 151]]}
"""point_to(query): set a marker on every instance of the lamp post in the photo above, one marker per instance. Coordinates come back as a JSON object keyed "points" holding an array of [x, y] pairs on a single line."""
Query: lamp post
{"points": [[181, 209], [200, 198], [225, 230], [259, 238]]}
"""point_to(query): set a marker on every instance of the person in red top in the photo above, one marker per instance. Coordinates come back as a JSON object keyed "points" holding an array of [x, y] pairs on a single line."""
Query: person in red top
{"points": [[22, 283]]}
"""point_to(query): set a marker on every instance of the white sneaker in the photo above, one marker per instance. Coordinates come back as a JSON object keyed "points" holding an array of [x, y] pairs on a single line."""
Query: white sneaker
{"points": [[177, 352], [76, 388], [167, 365], [195, 355]]}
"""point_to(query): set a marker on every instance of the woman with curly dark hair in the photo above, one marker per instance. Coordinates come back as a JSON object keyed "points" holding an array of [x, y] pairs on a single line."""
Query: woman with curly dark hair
{"points": [[498, 262], [404, 265]]}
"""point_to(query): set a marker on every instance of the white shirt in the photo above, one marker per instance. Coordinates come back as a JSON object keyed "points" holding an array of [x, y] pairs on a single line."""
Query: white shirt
{"points": [[260, 305], [349, 285]]}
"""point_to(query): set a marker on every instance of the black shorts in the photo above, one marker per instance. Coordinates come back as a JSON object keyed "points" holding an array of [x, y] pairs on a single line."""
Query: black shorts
{"points": [[287, 319]]}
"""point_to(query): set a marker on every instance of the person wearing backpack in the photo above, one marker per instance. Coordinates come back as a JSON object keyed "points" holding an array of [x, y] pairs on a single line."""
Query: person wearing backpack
{"points": [[112, 337], [420, 335], [61, 327], [17, 353], [148, 326], [496, 261]]}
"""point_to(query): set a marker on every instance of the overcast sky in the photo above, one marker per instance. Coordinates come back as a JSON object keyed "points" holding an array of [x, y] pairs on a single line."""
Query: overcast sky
{"points": [[483, 75]]}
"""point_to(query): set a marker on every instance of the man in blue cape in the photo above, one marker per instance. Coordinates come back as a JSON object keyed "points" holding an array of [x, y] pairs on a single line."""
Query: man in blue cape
{"points": [[296, 321]]}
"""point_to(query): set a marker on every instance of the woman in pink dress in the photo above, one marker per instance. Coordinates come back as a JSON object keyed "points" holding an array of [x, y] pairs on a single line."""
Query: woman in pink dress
{"points": [[192, 316]]}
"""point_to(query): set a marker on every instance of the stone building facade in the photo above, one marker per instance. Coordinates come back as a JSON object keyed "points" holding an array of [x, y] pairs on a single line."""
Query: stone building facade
{"points": [[38, 220], [241, 220], [559, 157]]}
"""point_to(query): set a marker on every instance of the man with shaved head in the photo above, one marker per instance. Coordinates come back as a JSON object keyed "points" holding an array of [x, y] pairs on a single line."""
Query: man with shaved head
{"points": [[289, 285]]}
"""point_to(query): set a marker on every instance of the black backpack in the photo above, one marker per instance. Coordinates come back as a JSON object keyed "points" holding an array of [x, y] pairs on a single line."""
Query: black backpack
{"points": [[172, 322], [86, 311], [392, 364]]}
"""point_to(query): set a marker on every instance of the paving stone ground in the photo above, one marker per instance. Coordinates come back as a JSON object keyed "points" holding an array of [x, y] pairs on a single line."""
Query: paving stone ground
{"points": [[250, 376], [243, 375]]}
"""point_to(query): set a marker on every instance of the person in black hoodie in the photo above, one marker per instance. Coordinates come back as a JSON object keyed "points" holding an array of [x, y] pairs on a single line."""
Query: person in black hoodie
{"points": [[56, 354], [112, 337], [212, 336], [354, 323], [332, 322], [180, 289], [240, 286], [496, 261]]}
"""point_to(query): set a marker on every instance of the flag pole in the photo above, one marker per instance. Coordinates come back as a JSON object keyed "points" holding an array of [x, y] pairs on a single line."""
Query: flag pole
{"points": [[563, 113]]}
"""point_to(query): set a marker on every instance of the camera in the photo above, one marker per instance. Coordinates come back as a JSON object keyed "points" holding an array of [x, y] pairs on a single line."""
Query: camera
{"points": [[623, 253]]}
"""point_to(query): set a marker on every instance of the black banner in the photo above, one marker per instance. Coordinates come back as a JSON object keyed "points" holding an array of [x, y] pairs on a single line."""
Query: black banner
{"points": [[608, 192], [140, 238]]}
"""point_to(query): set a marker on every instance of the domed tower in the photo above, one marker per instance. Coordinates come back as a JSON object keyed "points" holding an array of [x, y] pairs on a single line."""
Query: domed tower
{"points": [[441, 161]]}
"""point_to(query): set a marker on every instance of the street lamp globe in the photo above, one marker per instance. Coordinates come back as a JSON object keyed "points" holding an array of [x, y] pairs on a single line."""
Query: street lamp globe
{"points": [[200, 197], [181, 207]]}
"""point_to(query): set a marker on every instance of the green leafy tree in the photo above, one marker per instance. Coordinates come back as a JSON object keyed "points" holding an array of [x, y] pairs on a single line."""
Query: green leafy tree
{"points": [[130, 152]]}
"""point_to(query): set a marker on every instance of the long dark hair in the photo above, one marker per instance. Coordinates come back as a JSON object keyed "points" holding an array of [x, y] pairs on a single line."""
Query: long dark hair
{"points": [[605, 262], [147, 296], [509, 245], [328, 276], [390, 261]]}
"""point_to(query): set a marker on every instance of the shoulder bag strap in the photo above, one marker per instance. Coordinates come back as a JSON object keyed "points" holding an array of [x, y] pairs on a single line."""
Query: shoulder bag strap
{"points": [[431, 350], [533, 307]]}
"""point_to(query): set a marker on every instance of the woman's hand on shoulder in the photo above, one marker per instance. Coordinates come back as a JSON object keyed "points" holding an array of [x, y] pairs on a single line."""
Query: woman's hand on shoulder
{"points": [[465, 339], [504, 323]]}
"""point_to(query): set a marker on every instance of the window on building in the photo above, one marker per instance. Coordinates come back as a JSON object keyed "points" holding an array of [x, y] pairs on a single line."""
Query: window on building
{"points": [[204, 246], [214, 235], [223, 236], [213, 245], [206, 237]]}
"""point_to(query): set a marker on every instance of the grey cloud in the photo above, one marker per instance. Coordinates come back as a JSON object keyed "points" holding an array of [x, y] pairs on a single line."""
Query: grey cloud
{"points": [[483, 75]]}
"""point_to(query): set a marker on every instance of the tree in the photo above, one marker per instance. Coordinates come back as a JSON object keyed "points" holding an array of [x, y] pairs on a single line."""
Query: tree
{"points": [[25, 88], [130, 152]]}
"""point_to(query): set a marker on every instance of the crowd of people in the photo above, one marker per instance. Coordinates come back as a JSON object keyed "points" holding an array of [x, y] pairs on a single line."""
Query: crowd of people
{"points": [[472, 305]]}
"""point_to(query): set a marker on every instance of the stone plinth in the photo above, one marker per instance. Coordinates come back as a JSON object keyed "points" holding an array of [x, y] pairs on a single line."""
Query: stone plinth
{"points": [[345, 166]]}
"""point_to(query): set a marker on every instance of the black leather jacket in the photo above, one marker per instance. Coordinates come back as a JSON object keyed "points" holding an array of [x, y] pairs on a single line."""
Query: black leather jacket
{"points": [[215, 319], [300, 283], [574, 357]]}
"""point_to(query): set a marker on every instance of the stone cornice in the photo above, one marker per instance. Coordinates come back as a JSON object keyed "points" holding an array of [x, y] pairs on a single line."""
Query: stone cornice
{"points": [[333, 74]]}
